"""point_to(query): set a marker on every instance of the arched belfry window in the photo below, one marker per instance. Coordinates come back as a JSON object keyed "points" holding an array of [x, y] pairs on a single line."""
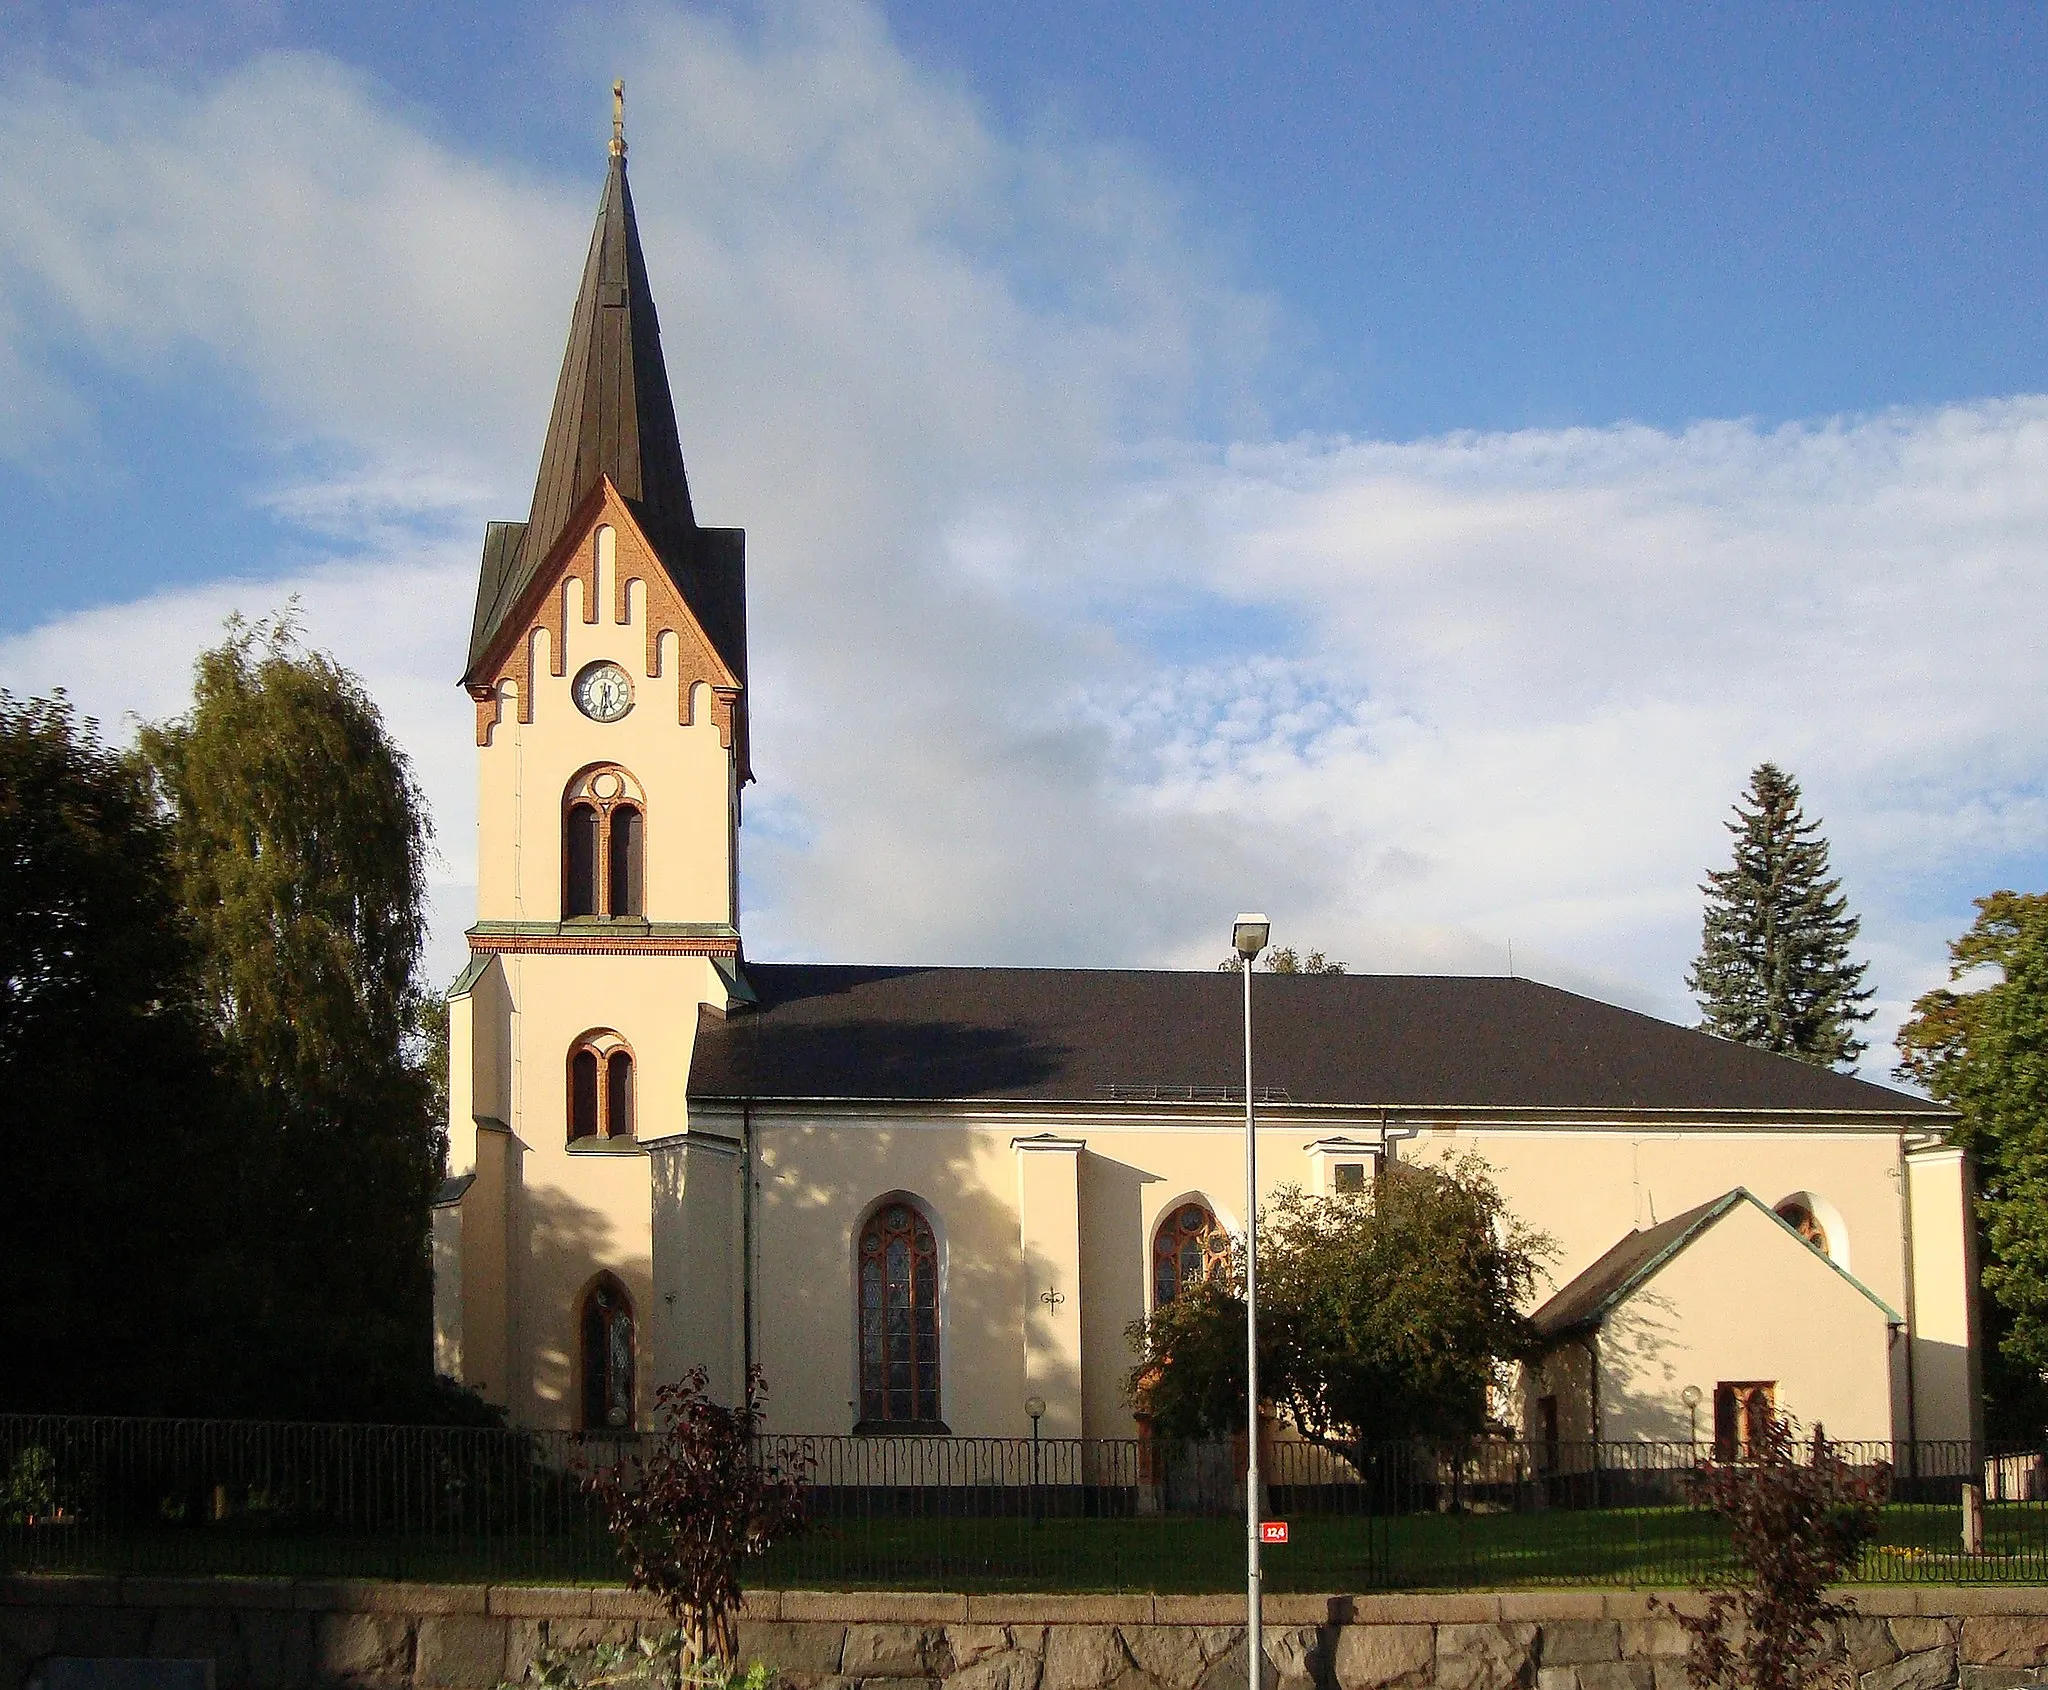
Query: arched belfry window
{"points": [[606, 1341], [1188, 1247], [899, 1318], [600, 1088], [604, 846]]}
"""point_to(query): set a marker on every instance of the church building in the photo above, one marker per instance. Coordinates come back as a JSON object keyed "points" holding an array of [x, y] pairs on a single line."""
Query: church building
{"points": [[919, 1197]]}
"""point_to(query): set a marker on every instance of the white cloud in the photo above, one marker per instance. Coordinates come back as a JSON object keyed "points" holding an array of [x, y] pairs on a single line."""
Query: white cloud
{"points": [[1497, 688]]}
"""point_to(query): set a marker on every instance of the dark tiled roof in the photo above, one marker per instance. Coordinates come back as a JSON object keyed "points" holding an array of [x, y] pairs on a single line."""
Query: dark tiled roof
{"points": [[614, 416], [1091, 1034], [1588, 1298]]}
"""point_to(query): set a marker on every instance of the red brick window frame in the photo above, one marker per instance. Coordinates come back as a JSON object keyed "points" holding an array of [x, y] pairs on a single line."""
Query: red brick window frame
{"points": [[604, 845], [601, 1088]]}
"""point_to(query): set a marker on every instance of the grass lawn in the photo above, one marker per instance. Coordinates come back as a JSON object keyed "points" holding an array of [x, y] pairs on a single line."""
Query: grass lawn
{"points": [[1648, 1546]]}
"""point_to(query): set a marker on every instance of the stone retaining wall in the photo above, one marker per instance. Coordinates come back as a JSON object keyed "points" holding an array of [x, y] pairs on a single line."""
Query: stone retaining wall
{"points": [[282, 1634]]}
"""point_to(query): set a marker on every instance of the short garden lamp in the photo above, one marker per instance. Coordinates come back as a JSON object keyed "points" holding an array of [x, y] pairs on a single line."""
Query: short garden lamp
{"points": [[1690, 1396], [1035, 1407], [1248, 936]]}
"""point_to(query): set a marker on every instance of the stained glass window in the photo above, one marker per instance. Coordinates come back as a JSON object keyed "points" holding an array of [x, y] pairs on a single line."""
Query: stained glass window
{"points": [[1189, 1246], [607, 1358], [1806, 1223], [899, 1317]]}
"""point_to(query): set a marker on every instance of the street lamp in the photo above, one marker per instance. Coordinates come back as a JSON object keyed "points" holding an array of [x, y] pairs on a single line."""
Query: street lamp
{"points": [[1248, 935], [1690, 1396], [1035, 1407]]}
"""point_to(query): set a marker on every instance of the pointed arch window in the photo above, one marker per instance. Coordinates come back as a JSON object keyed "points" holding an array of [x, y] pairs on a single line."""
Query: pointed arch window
{"points": [[898, 1272], [606, 1333], [1188, 1247], [601, 1102], [604, 847]]}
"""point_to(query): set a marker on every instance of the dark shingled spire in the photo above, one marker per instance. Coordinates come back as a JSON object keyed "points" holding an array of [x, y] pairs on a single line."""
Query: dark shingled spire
{"points": [[613, 416]]}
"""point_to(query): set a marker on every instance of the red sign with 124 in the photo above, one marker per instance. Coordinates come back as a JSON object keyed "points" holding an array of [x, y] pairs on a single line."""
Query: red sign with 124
{"points": [[1272, 1531]]}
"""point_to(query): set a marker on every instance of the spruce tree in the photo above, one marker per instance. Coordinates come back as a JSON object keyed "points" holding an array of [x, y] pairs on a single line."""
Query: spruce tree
{"points": [[1774, 969]]}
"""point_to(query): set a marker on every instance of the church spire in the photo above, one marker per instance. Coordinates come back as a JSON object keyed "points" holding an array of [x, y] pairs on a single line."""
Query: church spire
{"points": [[613, 420], [613, 414]]}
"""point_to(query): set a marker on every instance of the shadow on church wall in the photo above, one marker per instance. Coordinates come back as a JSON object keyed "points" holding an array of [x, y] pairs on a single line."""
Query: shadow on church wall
{"points": [[1114, 1252], [567, 1244], [1640, 1352], [814, 1182]]}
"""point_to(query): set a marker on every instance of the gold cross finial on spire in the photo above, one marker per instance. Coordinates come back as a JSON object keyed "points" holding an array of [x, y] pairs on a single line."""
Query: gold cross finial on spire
{"points": [[619, 119]]}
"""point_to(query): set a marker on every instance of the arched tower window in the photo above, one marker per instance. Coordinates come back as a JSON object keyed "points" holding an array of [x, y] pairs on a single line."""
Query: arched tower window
{"points": [[600, 1088], [899, 1317], [606, 1332], [1188, 1247], [604, 849], [580, 832]]}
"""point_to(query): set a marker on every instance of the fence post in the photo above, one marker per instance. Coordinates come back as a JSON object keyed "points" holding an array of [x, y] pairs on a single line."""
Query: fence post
{"points": [[1973, 1519]]}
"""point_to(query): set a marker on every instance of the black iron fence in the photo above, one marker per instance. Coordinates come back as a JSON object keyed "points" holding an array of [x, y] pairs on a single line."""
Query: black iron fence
{"points": [[160, 1496]]}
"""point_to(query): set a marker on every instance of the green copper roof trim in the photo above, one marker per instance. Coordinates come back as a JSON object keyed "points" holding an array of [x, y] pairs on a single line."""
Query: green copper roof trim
{"points": [[603, 928], [735, 978], [1706, 1216], [472, 972]]}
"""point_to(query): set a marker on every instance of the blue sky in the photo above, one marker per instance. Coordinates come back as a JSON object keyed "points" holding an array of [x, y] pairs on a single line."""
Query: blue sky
{"points": [[1459, 441]]}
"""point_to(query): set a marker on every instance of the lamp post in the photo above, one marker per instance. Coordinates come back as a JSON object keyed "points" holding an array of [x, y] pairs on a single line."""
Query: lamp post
{"points": [[1690, 1396], [1248, 935], [1035, 1407]]}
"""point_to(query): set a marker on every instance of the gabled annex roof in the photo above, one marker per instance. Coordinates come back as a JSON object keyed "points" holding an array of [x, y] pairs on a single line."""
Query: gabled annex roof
{"points": [[1638, 1258], [1094, 1035], [614, 417]]}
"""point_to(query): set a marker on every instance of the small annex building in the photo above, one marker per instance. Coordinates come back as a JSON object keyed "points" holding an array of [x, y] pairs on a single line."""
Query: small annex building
{"points": [[917, 1197], [1733, 1292]]}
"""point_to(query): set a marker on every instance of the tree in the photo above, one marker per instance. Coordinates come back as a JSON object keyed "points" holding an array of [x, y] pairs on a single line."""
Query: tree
{"points": [[1984, 1051], [121, 1166], [1796, 1525], [1774, 969], [1382, 1315], [300, 839], [702, 1502], [1284, 959]]}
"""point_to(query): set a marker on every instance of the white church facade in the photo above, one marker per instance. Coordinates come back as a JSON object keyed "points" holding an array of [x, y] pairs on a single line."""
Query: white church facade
{"points": [[917, 1197]]}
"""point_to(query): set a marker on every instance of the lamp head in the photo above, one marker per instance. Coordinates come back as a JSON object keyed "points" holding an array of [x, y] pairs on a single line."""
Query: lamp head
{"points": [[1035, 1407], [1691, 1395], [1249, 934]]}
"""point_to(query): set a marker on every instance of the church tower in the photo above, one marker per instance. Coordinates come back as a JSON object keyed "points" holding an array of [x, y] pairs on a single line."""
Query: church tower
{"points": [[586, 1243]]}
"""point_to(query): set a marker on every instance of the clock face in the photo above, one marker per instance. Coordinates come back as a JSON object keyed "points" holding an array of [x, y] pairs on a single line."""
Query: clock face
{"points": [[603, 692]]}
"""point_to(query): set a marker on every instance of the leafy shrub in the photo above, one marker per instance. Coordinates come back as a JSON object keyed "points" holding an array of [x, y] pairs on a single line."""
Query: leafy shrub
{"points": [[701, 1502], [1799, 1516], [30, 1492]]}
